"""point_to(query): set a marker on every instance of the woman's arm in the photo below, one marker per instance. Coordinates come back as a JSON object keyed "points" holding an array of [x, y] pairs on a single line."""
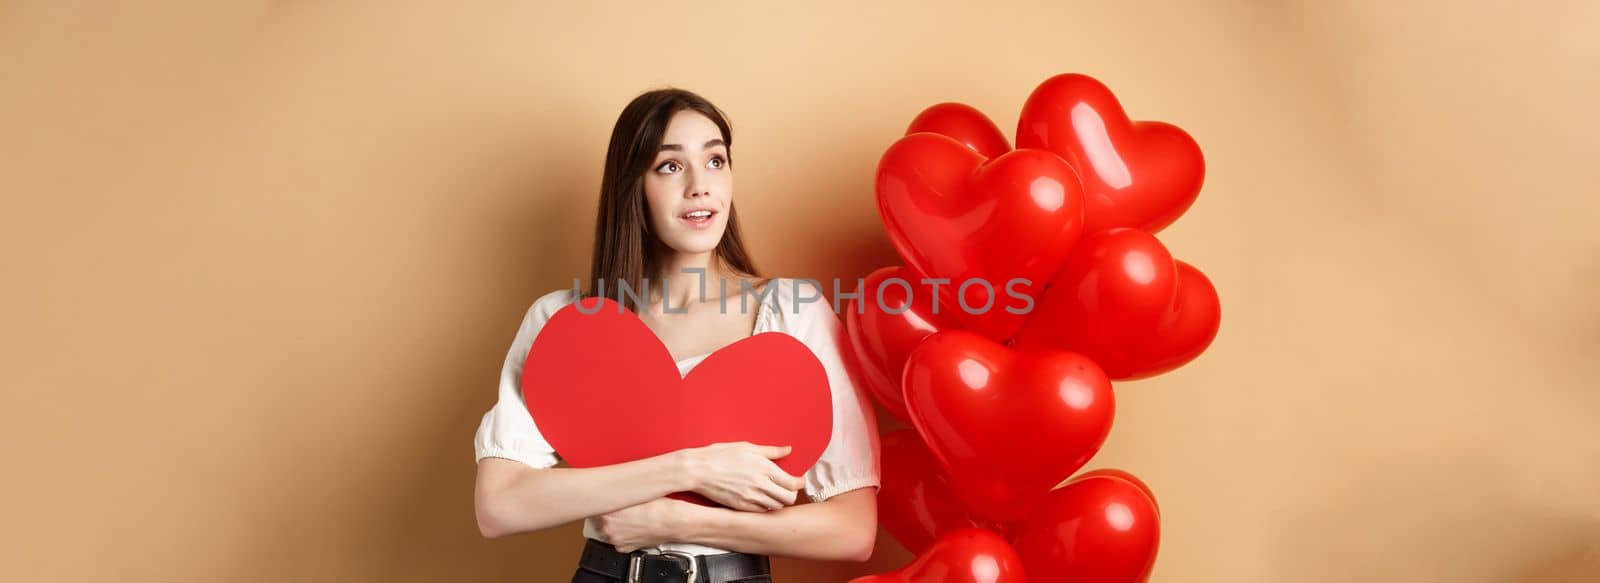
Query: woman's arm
{"points": [[511, 497], [841, 528]]}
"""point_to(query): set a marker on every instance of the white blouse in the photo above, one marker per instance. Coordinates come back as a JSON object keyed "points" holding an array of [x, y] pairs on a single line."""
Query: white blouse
{"points": [[850, 461]]}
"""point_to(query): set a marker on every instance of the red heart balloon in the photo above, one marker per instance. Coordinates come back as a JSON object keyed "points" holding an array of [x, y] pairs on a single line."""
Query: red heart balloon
{"points": [[964, 123], [980, 223], [603, 389], [1123, 475], [1006, 425], [916, 503], [1123, 301], [1135, 174], [884, 323], [1096, 529], [971, 555]]}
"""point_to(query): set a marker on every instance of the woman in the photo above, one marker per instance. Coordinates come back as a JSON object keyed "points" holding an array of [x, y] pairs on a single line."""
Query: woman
{"points": [[666, 213]]}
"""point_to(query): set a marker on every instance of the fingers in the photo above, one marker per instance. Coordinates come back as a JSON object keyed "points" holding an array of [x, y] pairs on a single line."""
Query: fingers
{"points": [[736, 501], [755, 501], [770, 498], [785, 480], [783, 496], [750, 492], [775, 451]]}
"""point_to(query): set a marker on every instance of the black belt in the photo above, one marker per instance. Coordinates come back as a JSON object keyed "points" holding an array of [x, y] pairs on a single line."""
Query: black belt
{"points": [[671, 567]]}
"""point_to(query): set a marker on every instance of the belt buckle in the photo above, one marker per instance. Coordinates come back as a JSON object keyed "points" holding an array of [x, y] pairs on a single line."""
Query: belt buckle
{"points": [[637, 557]]}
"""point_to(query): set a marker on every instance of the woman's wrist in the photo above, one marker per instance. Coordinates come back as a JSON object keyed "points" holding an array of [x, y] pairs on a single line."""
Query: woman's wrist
{"points": [[679, 468], [690, 521]]}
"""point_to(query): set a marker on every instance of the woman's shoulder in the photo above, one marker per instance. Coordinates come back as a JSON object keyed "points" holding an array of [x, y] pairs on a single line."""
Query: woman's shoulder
{"points": [[547, 305]]}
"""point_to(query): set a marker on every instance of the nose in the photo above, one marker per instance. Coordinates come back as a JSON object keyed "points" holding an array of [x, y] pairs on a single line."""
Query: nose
{"points": [[697, 187]]}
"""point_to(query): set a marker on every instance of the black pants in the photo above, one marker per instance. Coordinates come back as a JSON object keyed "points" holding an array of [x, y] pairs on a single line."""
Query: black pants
{"points": [[583, 576], [602, 563], [586, 576]]}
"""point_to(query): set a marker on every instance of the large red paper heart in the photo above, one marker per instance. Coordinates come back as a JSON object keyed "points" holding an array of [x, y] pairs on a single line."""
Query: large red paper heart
{"points": [[889, 318], [953, 213], [1099, 528], [1135, 174], [603, 389], [916, 503], [1123, 301], [971, 555], [1006, 425]]}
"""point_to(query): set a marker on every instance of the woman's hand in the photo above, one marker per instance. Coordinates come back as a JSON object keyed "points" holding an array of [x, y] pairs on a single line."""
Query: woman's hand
{"points": [[644, 525], [742, 475]]}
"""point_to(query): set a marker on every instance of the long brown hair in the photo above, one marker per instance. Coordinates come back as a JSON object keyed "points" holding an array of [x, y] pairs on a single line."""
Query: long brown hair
{"points": [[624, 248]]}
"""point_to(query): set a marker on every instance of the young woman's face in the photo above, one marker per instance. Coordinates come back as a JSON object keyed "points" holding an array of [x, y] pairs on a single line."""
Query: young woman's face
{"points": [[689, 186]]}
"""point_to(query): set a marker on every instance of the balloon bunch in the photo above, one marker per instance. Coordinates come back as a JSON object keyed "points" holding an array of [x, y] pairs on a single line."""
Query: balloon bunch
{"points": [[1009, 395]]}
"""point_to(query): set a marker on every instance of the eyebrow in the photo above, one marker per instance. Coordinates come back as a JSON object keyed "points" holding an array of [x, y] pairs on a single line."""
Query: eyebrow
{"points": [[709, 145]]}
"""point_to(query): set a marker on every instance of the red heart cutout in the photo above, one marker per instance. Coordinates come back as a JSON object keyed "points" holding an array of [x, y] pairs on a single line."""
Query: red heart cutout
{"points": [[1135, 174], [1098, 528], [964, 123], [916, 502], [971, 555], [1007, 426], [1123, 301], [603, 389], [884, 324], [952, 213]]}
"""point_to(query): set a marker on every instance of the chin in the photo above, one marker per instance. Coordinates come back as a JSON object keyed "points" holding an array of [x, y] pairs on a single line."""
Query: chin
{"points": [[696, 243]]}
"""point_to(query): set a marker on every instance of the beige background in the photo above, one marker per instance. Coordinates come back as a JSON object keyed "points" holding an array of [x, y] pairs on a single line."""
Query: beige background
{"points": [[262, 262]]}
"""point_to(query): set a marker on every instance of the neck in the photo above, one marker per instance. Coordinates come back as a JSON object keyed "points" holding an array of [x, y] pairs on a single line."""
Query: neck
{"points": [[681, 277]]}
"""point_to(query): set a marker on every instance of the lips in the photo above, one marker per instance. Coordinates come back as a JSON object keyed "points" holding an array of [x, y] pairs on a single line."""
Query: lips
{"points": [[698, 218]]}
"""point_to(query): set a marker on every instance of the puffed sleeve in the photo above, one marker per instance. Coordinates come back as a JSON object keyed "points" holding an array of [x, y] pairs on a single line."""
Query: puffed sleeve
{"points": [[507, 430], [851, 459]]}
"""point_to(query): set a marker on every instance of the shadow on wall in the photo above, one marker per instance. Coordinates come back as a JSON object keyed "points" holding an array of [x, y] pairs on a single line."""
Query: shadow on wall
{"points": [[1577, 561], [535, 241]]}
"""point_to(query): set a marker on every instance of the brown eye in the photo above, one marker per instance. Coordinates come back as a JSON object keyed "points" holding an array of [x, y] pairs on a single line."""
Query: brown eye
{"points": [[664, 167], [718, 162]]}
